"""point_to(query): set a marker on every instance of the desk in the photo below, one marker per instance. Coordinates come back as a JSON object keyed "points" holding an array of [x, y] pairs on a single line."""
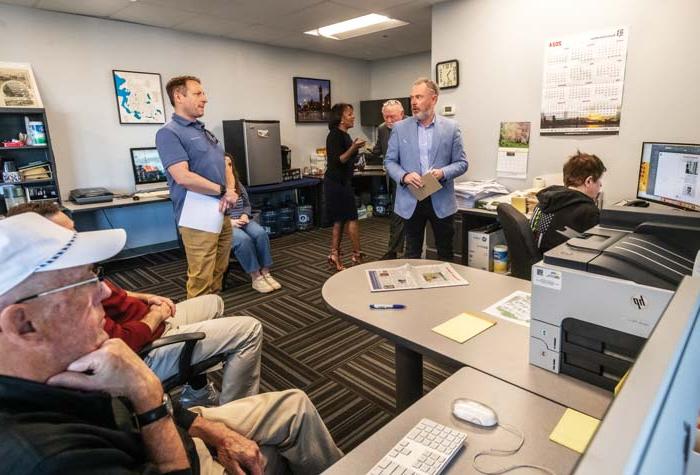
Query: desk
{"points": [[501, 351], [532, 414], [75, 208]]}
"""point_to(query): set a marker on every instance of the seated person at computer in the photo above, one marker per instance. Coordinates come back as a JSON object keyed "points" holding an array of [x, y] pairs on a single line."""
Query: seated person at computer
{"points": [[73, 401], [139, 319], [571, 205], [250, 244]]}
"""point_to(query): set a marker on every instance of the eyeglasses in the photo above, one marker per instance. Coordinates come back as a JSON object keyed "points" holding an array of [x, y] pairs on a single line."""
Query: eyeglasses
{"points": [[210, 137], [99, 277]]}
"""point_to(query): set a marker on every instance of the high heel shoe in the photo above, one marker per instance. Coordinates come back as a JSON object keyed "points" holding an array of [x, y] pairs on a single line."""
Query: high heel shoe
{"points": [[357, 257], [334, 260]]}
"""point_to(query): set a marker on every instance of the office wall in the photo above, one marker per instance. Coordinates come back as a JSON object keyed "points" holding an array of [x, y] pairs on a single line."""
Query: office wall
{"points": [[500, 47], [73, 58], [393, 77]]}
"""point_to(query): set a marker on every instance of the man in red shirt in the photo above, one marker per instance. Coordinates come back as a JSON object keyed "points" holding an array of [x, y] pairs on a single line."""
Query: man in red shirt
{"points": [[139, 319]]}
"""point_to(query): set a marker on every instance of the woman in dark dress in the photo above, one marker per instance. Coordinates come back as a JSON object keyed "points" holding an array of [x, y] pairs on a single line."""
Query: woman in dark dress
{"points": [[341, 152]]}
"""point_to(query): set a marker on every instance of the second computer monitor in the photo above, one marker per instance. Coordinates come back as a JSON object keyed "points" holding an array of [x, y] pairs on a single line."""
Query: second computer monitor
{"points": [[149, 173], [668, 174]]}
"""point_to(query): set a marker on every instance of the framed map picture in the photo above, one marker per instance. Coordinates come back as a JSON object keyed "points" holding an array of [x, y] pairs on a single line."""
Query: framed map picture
{"points": [[17, 86], [139, 97]]}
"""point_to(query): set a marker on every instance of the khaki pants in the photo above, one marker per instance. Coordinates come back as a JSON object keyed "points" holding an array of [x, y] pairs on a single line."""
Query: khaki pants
{"points": [[239, 338], [207, 258], [286, 426]]}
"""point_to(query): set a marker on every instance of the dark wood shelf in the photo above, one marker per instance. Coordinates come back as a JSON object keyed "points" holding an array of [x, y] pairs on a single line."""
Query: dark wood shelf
{"points": [[29, 147], [29, 182]]}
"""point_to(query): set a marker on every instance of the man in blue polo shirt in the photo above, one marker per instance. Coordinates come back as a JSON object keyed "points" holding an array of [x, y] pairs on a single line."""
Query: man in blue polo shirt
{"points": [[194, 161]]}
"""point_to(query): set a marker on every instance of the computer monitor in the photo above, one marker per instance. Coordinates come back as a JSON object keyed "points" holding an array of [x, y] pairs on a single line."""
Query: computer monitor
{"points": [[650, 426], [668, 174], [149, 173]]}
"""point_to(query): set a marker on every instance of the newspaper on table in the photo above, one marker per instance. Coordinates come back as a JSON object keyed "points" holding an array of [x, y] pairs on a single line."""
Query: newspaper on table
{"points": [[514, 308], [409, 276]]}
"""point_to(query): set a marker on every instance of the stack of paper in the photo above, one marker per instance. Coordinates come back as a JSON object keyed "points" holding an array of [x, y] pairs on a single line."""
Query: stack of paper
{"points": [[35, 172], [469, 192]]}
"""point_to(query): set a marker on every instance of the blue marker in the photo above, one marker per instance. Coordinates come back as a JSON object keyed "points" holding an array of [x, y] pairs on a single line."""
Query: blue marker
{"points": [[386, 306]]}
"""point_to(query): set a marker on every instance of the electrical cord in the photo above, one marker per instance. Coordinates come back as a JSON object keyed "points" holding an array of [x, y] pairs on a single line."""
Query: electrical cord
{"points": [[104, 211], [504, 452]]}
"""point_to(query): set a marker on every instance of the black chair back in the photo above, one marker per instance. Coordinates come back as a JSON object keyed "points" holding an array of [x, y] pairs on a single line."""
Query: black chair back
{"points": [[522, 248]]}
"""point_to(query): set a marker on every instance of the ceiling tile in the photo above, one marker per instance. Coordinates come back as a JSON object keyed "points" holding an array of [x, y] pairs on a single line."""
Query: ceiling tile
{"points": [[208, 25], [24, 3], [259, 34], [323, 14], [99, 8], [372, 5], [417, 12], [152, 15], [261, 11], [203, 7]]}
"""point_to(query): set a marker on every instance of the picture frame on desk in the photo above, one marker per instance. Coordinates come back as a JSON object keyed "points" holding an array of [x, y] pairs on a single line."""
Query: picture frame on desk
{"points": [[139, 97], [312, 100]]}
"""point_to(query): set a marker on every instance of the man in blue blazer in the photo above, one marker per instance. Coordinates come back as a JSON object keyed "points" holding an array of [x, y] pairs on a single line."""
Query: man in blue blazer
{"points": [[426, 143]]}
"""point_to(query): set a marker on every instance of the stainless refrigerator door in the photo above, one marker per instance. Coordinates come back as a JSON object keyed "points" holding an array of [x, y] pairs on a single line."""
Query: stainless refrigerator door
{"points": [[262, 142]]}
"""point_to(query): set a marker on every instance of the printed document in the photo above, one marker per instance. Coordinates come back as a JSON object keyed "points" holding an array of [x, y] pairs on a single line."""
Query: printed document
{"points": [[414, 277], [514, 308], [201, 212]]}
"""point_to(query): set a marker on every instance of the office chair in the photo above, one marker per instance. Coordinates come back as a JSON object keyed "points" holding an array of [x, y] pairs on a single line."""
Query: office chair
{"points": [[522, 247], [186, 367]]}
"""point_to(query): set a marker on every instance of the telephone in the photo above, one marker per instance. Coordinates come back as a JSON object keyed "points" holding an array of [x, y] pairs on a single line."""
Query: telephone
{"points": [[83, 196]]}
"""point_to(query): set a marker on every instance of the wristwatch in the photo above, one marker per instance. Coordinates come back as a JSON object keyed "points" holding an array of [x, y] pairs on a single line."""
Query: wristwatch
{"points": [[222, 189], [149, 417]]}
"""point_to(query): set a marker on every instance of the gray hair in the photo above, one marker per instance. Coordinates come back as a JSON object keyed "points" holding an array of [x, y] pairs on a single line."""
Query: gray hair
{"points": [[429, 83], [392, 103]]}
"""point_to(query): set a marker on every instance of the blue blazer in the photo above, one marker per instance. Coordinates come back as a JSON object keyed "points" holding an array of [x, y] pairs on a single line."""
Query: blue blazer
{"points": [[446, 152]]}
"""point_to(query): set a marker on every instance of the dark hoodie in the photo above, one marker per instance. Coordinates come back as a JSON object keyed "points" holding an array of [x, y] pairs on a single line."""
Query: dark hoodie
{"points": [[558, 207]]}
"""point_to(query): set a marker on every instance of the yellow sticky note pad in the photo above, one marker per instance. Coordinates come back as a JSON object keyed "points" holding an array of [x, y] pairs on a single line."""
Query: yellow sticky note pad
{"points": [[463, 327], [574, 430]]}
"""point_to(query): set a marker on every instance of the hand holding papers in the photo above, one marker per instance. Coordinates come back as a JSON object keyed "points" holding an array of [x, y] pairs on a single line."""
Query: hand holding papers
{"points": [[409, 277], [430, 186], [201, 212]]}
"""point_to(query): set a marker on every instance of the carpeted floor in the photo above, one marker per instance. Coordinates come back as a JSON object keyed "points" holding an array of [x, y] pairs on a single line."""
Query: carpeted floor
{"points": [[347, 372]]}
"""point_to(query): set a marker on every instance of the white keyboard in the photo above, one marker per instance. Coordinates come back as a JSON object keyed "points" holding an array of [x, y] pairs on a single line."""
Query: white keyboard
{"points": [[153, 194], [426, 449]]}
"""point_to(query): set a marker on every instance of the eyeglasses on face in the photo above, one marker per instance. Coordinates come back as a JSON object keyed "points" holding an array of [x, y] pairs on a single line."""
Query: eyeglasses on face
{"points": [[99, 277]]}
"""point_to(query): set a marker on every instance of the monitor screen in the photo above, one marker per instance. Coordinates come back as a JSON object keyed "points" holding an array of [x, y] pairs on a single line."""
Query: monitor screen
{"points": [[148, 169], [668, 174]]}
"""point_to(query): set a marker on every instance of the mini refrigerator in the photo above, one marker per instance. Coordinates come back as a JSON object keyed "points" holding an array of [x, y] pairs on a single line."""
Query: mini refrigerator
{"points": [[255, 146]]}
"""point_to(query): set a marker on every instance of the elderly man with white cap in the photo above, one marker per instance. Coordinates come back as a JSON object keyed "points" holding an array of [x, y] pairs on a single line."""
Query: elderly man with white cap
{"points": [[74, 401]]}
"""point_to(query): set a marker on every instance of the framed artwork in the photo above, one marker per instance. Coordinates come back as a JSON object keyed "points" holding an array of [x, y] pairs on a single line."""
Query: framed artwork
{"points": [[447, 74], [139, 97], [312, 100], [18, 86]]}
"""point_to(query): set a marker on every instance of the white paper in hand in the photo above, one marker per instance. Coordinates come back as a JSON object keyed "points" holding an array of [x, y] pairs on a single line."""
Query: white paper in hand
{"points": [[201, 212]]}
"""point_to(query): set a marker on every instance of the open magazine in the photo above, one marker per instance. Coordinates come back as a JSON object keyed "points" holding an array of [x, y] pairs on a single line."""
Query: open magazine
{"points": [[414, 277]]}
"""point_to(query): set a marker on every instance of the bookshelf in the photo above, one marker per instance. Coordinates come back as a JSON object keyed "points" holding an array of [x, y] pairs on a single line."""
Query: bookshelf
{"points": [[35, 163]]}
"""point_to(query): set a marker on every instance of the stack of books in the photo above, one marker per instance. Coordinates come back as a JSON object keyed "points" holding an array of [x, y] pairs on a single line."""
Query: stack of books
{"points": [[35, 171]]}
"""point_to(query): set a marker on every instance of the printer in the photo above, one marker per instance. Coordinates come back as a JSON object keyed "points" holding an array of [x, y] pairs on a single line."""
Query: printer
{"points": [[597, 297]]}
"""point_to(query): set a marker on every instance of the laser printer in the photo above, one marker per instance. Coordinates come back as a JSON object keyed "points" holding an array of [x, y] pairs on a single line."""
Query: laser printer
{"points": [[597, 297]]}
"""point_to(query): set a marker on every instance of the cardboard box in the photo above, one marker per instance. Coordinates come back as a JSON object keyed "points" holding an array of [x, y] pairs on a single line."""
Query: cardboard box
{"points": [[480, 246]]}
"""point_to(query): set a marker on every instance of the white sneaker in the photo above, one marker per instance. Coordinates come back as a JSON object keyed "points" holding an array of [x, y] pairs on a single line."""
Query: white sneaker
{"points": [[272, 282], [207, 396], [261, 285]]}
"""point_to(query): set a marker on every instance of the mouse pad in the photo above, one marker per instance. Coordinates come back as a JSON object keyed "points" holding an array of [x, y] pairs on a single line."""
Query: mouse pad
{"points": [[574, 430], [463, 327]]}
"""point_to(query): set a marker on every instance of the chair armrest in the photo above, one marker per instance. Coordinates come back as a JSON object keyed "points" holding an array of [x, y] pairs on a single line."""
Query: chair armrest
{"points": [[171, 340]]}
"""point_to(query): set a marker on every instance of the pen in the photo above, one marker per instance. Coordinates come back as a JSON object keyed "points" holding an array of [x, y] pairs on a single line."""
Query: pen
{"points": [[386, 306]]}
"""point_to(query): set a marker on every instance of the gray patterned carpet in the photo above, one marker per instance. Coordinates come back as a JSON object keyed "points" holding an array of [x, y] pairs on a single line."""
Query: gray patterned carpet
{"points": [[347, 372]]}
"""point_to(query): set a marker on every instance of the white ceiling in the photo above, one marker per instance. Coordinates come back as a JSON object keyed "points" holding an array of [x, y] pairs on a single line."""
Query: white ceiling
{"points": [[273, 22]]}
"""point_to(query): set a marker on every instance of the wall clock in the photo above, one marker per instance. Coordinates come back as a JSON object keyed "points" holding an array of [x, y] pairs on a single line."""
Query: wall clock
{"points": [[447, 74]]}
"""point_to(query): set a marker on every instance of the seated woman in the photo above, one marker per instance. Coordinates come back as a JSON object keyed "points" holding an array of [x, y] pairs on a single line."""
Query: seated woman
{"points": [[251, 245]]}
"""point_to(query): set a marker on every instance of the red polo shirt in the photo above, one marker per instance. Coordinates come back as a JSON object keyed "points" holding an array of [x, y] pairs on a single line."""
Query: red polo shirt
{"points": [[123, 319]]}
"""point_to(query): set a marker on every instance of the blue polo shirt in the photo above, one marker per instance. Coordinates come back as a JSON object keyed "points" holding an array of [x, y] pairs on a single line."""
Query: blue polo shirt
{"points": [[183, 140]]}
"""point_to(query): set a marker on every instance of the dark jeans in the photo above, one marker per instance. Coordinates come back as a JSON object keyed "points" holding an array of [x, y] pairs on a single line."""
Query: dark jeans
{"points": [[443, 229]]}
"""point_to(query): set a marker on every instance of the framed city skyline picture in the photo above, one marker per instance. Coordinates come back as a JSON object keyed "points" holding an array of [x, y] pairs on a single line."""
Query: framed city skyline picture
{"points": [[139, 97], [312, 100]]}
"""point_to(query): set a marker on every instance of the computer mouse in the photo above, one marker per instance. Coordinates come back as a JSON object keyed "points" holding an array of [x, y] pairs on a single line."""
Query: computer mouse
{"points": [[474, 412], [135, 197]]}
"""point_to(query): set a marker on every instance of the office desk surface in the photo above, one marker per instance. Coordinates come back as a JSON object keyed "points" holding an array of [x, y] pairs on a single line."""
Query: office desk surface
{"points": [[501, 351], [531, 414], [115, 203]]}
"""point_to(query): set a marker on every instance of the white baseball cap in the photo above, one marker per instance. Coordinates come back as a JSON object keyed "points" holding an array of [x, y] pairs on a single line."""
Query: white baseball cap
{"points": [[30, 243]]}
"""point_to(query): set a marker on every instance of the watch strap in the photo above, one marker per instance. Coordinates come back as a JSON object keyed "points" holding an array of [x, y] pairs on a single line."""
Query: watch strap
{"points": [[155, 414]]}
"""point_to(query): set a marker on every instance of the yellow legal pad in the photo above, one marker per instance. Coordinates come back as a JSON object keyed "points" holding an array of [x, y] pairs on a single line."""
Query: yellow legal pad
{"points": [[574, 430], [463, 327]]}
